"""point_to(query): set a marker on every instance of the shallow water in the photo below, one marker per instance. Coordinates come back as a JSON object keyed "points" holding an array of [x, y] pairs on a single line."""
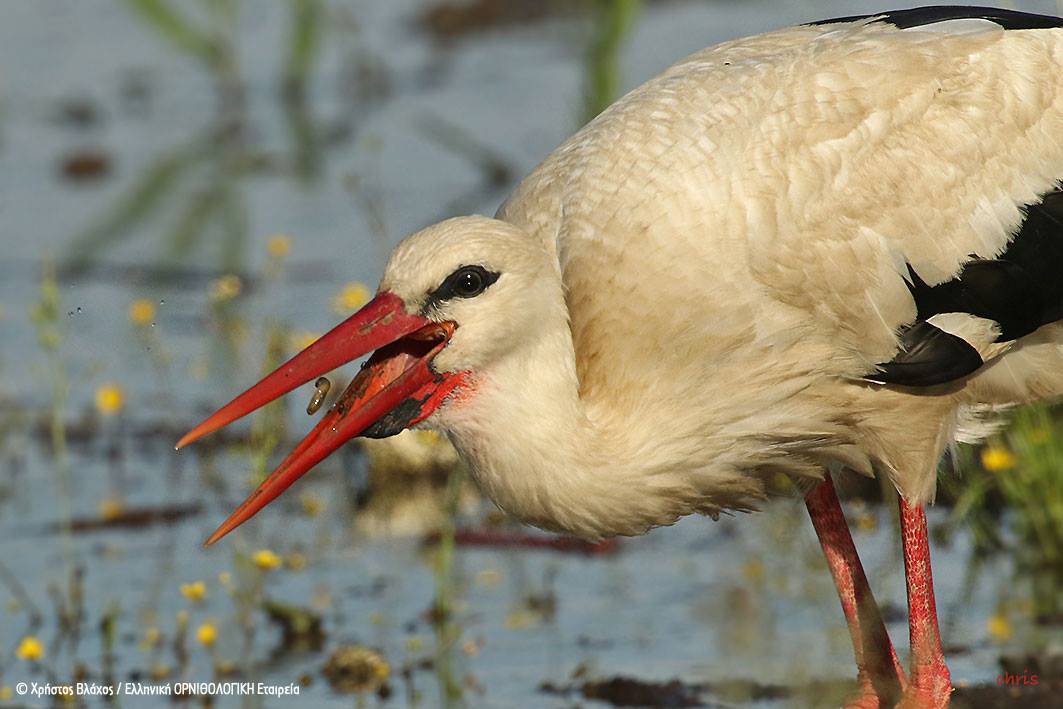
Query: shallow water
{"points": [[744, 599]]}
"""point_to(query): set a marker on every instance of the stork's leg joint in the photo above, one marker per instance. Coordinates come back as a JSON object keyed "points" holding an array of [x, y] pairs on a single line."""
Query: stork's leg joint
{"points": [[879, 674]]}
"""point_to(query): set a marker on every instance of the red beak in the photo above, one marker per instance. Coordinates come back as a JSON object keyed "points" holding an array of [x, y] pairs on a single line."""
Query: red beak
{"points": [[395, 389]]}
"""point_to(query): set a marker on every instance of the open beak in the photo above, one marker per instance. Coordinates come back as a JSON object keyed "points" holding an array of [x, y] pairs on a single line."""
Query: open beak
{"points": [[395, 389]]}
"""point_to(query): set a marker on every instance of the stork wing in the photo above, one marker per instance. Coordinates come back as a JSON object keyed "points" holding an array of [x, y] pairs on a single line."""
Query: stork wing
{"points": [[1020, 290], [747, 239], [826, 191]]}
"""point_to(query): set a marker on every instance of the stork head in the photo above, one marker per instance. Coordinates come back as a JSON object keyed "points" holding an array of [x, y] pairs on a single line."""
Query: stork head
{"points": [[455, 298]]}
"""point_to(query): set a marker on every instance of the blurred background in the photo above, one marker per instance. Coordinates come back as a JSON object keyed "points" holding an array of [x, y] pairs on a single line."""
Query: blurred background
{"points": [[193, 190]]}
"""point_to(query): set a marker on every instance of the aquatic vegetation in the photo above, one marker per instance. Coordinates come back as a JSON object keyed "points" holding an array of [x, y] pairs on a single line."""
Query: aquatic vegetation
{"points": [[180, 31], [304, 42], [225, 288], [356, 669], [300, 626], [613, 20], [203, 179], [50, 333], [1010, 497]]}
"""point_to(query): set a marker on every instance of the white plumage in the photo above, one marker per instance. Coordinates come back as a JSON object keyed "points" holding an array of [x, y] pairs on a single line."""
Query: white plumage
{"points": [[830, 246], [728, 247]]}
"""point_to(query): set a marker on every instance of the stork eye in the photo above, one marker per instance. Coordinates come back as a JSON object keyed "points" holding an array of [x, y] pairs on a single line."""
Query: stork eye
{"points": [[466, 282], [469, 281]]}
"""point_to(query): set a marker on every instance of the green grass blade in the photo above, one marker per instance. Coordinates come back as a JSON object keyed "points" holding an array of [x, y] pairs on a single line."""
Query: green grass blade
{"points": [[181, 33]]}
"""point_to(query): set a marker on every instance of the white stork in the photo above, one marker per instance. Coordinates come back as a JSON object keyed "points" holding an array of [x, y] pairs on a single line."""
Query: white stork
{"points": [[833, 246]]}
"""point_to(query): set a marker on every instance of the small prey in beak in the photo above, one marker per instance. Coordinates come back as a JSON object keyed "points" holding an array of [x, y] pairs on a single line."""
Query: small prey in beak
{"points": [[395, 388], [321, 389]]}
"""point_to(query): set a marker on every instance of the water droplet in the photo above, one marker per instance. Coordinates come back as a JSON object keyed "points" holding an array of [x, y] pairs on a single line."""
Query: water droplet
{"points": [[162, 301], [79, 308]]}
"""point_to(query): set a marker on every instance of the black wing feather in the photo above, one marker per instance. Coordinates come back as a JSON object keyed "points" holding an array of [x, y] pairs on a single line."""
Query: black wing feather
{"points": [[928, 356], [919, 16], [1021, 290]]}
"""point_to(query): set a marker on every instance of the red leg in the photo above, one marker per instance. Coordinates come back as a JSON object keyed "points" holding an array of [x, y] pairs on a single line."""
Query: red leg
{"points": [[878, 670], [929, 684]]}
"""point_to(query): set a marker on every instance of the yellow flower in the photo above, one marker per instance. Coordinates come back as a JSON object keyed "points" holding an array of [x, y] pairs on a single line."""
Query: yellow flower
{"points": [[996, 459], [194, 591], [206, 634], [301, 340], [30, 648], [152, 636], [225, 288], [111, 507], [998, 626], [351, 297], [279, 245], [311, 504], [109, 399], [266, 560], [5, 694], [141, 312]]}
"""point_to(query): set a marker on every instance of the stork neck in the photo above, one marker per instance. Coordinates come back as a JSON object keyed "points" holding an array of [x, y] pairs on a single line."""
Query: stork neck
{"points": [[536, 452]]}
